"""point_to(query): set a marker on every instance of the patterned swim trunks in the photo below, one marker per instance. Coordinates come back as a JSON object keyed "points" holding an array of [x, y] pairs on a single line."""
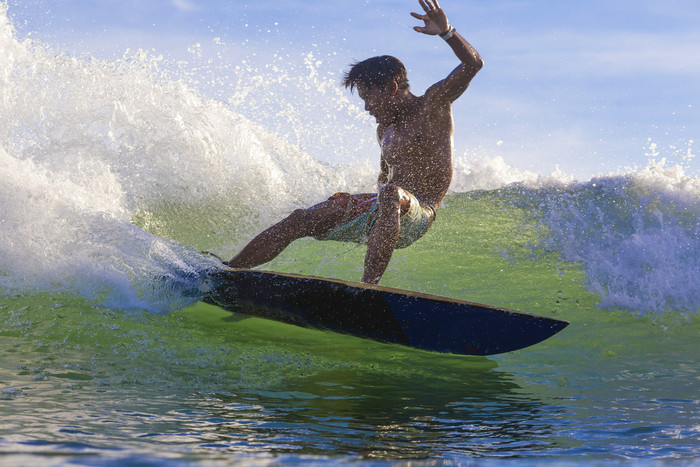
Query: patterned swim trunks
{"points": [[363, 212]]}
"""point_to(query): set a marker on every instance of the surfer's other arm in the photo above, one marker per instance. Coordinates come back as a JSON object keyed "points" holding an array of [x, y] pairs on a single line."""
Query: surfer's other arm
{"points": [[436, 24]]}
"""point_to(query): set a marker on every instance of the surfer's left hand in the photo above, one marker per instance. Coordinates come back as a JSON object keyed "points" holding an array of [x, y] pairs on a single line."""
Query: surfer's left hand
{"points": [[434, 18]]}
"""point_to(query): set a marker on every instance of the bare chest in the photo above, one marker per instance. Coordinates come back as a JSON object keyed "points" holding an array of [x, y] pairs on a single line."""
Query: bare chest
{"points": [[401, 145]]}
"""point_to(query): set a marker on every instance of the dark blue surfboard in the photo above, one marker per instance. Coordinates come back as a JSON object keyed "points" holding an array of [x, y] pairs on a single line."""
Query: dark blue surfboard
{"points": [[414, 319]]}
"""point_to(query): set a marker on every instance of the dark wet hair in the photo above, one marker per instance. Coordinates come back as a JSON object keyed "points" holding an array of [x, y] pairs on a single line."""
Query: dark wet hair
{"points": [[376, 72]]}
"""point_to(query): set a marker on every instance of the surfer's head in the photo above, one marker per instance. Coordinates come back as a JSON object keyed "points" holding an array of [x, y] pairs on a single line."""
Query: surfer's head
{"points": [[377, 72]]}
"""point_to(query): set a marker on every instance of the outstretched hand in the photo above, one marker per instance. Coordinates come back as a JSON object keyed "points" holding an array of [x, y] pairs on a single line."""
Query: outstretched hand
{"points": [[434, 18]]}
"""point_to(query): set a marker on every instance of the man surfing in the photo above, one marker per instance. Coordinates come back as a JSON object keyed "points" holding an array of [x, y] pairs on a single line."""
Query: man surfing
{"points": [[415, 137]]}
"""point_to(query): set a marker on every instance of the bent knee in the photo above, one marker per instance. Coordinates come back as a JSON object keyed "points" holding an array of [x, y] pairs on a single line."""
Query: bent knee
{"points": [[390, 194], [393, 197], [340, 200]]}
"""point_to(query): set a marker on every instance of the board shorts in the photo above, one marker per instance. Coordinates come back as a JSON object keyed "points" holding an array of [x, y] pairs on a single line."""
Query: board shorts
{"points": [[362, 211]]}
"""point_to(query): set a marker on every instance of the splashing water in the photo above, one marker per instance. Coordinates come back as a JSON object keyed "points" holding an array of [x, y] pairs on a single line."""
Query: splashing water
{"points": [[87, 147], [637, 236]]}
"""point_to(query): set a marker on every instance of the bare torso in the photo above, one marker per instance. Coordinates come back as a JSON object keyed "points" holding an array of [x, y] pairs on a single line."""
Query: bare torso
{"points": [[417, 151]]}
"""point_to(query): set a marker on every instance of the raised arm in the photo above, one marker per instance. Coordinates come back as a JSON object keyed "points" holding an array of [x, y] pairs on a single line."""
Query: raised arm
{"points": [[436, 24]]}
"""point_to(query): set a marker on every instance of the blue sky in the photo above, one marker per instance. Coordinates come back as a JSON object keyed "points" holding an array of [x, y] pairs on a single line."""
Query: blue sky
{"points": [[583, 86]]}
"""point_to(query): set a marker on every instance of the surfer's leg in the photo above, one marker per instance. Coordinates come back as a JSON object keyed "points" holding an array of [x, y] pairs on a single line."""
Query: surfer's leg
{"points": [[314, 221], [392, 202]]}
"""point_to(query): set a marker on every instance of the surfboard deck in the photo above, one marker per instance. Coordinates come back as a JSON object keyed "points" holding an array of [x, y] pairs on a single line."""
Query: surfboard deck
{"points": [[383, 314]]}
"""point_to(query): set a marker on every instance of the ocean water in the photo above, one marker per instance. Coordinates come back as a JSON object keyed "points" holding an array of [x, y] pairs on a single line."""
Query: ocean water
{"points": [[114, 174]]}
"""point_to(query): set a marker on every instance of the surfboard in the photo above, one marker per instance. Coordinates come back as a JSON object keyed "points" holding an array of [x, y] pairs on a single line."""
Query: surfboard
{"points": [[384, 314]]}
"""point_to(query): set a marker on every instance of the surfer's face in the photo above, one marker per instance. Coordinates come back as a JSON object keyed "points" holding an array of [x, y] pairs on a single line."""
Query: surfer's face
{"points": [[377, 102]]}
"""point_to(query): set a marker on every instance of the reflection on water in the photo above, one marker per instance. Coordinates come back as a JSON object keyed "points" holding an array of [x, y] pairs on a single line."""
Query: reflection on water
{"points": [[369, 415]]}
